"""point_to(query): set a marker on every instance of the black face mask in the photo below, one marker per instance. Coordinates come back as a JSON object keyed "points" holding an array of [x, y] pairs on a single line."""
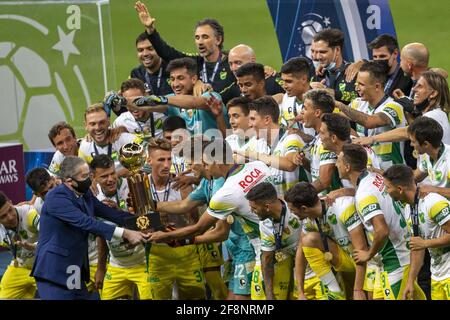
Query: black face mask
{"points": [[384, 64], [83, 185], [421, 106]]}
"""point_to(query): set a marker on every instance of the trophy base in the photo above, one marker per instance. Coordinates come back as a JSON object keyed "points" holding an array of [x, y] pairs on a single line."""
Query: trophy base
{"points": [[147, 222]]}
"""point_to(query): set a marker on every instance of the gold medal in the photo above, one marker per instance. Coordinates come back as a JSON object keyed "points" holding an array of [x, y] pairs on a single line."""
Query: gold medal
{"points": [[16, 263], [328, 256], [230, 219], [415, 154], [279, 256]]}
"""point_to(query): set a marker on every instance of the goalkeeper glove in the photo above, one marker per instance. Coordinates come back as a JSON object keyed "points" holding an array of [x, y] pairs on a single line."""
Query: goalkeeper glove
{"points": [[113, 101], [150, 101]]}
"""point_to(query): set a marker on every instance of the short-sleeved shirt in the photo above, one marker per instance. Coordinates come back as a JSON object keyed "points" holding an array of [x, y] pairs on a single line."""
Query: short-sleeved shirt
{"points": [[287, 143], [27, 231], [372, 199], [55, 164], [230, 199], [434, 212], [140, 128], [289, 237], [442, 118], [87, 149], [290, 107], [438, 172], [120, 255], [389, 152], [198, 121], [319, 156], [237, 142], [337, 222], [206, 189]]}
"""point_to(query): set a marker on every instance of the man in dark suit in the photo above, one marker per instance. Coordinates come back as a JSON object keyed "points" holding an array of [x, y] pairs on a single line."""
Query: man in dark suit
{"points": [[61, 266]]}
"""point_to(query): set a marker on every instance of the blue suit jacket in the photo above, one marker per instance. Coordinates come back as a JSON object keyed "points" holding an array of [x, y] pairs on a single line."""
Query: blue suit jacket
{"points": [[65, 223]]}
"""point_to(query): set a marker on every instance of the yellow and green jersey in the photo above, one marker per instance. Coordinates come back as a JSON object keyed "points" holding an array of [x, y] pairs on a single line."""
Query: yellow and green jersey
{"points": [[434, 212], [438, 172], [389, 152]]}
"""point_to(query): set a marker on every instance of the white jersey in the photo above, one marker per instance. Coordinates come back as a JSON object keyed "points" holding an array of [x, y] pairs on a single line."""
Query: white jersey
{"points": [[439, 172], [290, 233], [55, 165], [230, 199], [442, 118], [290, 107], [119, 254], [27, 231], [287, 143], [237, 142], [88, 150], [38, 204], [389, 152], [319, 156], [140, 128], [372, 199], [337, 222], [434, 212]]}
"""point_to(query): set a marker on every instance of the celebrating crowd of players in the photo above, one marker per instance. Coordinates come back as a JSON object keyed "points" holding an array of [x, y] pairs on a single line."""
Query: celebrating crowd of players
{"points": [[332, 183]]}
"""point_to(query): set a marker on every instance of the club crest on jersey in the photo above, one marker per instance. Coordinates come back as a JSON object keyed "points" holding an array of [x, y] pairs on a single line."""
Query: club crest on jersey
{"points": [[251, 179]]}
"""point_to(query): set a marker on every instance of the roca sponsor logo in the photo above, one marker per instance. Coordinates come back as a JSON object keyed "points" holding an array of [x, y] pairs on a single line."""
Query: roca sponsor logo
{"points": [[250, 178]]}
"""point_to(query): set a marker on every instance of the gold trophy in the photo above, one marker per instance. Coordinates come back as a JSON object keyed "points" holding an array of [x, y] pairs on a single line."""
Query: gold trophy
{"points": [[133, 157]]}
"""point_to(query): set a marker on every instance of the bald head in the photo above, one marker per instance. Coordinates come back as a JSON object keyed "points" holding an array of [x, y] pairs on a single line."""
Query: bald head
{"points": [[239, 55], [417, 53]]}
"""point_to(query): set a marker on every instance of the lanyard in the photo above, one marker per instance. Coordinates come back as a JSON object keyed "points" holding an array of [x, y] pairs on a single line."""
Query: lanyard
{"points": [[205, 74], [158, 81], [388, 84], [294, 107], [332, 76], [323, 236], [233, 169], [109, 149], [415, 214], [361, 176], [155, 193], [210, 190], [278, 233], [276, 141]]}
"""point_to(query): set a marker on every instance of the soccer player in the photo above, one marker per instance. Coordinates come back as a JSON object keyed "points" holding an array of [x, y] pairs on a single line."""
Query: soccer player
{"points": [[102, 141], [238, 113], [40, 182], [143, 123], [178, 263], [431, 221], [228, 200], [433, 168], [193, 109], [327, 54], [126, 267], [384, 223], [210, 254], [209, 38], [279, 232], [375, 112], [295, 74], [251, 80], [335, 229], [63, 138], [19, 229], [320, 162], [238, 56], [273, 145], [152, 69]]}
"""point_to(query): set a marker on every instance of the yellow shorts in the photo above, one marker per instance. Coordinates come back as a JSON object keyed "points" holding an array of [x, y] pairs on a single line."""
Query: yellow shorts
{"points": [[210, 255], [282, 279], [312, 288], [121, 282], [440, 290], [17, 284], [346, 262], [168, 265], [372, 281], [393, 284]]}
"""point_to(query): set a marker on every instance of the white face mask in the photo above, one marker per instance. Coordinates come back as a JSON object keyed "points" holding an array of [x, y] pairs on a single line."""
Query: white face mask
{"points": [[332, 65]]}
